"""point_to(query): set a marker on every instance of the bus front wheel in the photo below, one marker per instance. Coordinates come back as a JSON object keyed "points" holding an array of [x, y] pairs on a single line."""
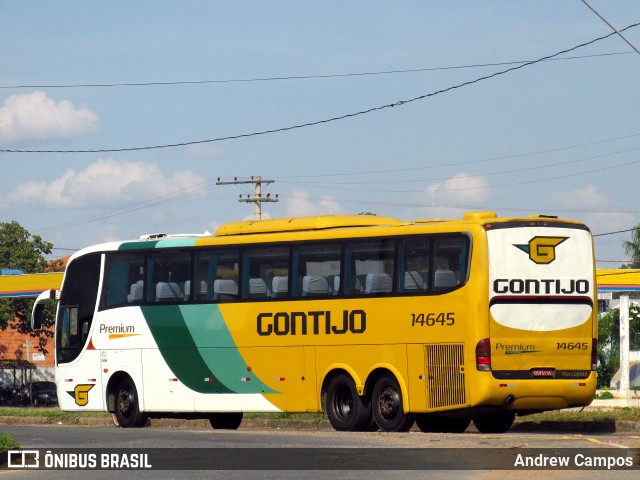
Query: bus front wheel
{"points": [[387, 406], [128, 412], [494, 423], [347, 411], [226, 421]]}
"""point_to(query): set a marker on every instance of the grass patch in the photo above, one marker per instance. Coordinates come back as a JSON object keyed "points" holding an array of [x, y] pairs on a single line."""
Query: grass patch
{"points": [[315, 417], [588, 415], [55, 415], [7, 441]]}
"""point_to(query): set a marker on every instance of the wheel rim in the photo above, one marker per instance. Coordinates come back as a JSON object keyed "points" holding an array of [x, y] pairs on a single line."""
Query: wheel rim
{"points": [[125, 402], [389, 403], [343, 404]]}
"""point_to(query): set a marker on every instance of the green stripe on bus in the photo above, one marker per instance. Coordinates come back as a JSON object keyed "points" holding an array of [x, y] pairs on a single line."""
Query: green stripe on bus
{"points": [[160, 243], [138, 245], [179, 350], [218, 349], [199, 349]]}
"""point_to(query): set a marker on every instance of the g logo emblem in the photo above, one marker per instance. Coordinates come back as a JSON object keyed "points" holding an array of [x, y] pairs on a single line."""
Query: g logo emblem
{"points": [[542, 250], [81, 394]]}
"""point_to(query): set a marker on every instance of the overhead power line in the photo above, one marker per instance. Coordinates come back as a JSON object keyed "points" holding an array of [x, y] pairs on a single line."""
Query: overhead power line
{"points": [[614, 233], [326, 120], [618, 32], [296, 77]]}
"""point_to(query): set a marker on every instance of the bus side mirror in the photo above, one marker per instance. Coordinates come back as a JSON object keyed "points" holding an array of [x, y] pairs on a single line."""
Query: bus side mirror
{"points": [[37, 314]]}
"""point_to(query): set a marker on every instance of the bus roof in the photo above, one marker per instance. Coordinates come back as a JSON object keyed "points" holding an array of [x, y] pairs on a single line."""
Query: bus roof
{"points": [[281, 229], [296, 224]]}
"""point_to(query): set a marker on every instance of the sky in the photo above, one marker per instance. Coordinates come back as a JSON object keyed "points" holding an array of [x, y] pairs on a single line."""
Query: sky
{"points": [[91, 94]]}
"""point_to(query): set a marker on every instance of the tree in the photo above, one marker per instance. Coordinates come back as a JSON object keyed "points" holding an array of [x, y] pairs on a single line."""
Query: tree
{"points": [[632, 248], [21, 250], [609, 341]]}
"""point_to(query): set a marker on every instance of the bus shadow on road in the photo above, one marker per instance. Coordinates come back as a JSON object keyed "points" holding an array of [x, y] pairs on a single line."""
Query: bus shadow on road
{"points": [[607, 425]]}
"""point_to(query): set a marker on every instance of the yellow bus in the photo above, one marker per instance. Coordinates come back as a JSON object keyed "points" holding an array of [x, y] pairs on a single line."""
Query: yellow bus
{"points": [[377, 322]]}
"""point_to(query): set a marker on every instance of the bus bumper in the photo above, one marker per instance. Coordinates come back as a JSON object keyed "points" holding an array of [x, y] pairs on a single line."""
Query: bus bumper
{"points": [[539, 394]]}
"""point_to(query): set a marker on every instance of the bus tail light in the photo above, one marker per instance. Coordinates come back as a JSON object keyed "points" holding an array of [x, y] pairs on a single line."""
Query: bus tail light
{"points": [[594, 354], [483, 355]]}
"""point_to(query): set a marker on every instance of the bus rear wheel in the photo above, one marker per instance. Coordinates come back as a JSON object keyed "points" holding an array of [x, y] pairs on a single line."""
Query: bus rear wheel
{"points": [[226, 421], [128, 412], [347, 411], [387, 406], [494, 423], [430, 423]]}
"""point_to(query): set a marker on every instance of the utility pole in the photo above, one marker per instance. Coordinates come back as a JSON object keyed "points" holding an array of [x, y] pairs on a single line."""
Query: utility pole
{"points": [[257, 199]]}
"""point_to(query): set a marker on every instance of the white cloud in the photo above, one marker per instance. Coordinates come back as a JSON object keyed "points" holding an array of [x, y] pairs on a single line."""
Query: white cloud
{"points": [[36, 117], [587, 197], [300, 204], [105, 183], [204, 150], [452, 197], [591, 198], [462, 189]]}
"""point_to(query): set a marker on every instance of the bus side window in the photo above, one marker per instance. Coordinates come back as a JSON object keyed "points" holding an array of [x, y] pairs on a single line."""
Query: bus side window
{"points": [[216, 276], [415, 265], [317, 268], [371, 267], [265, 272], [167, 275], [124, 283], [451, 258]]}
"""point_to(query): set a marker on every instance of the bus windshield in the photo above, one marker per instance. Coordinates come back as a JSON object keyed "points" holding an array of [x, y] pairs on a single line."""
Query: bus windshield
{"points": [[77, 305]]}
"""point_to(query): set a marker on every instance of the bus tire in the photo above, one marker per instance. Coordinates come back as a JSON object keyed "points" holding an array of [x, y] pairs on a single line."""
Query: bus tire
{"points": [[494, 423], [226, 420], [128, 411], [387, 406], [431, 423], [347, 411]]}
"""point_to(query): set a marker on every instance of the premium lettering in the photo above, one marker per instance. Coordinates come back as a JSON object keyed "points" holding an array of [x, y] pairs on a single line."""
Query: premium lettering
{"points": [[511, 347], [117, 329]]}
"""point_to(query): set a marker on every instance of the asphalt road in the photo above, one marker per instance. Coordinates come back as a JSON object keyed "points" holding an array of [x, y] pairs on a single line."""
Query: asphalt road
{"points": [[185, 445]]}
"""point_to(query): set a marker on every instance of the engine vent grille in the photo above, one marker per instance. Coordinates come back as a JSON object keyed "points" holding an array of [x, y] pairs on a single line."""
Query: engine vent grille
{"points": [[445, 375]]}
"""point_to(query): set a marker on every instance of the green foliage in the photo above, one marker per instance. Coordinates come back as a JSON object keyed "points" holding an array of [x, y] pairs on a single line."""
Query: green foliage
{"points": [[605, 395], [609, 341], [632, 248], [21, 250], [7, 441]]}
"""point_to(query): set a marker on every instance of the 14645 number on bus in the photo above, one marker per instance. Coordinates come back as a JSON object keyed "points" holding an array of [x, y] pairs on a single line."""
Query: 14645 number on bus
{"points": [[433, 319]]}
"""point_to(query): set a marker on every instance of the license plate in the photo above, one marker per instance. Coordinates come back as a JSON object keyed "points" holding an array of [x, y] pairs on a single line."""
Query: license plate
{"points": [[543, 372]]}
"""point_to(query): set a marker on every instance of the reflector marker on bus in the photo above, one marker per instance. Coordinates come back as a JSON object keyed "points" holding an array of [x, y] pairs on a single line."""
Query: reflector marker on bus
{"points": [[173, 379], [68, 380], [245, 379], [279, 379], [210, 379], [507, 385]]}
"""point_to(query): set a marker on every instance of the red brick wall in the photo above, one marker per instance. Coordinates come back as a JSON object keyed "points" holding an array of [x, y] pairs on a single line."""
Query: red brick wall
{"points": [[13, 347]]}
